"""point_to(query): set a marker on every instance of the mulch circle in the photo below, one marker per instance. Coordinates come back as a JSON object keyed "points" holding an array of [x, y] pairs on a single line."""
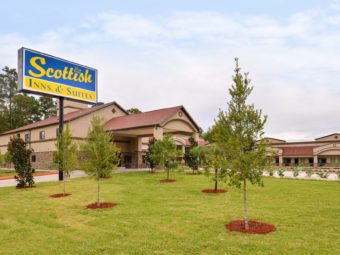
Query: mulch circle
{"points": [[255, 227], [167, 180], [106, 177], [192, 173], [101, 205], [213, 191], [26, 187], [60, 195]]}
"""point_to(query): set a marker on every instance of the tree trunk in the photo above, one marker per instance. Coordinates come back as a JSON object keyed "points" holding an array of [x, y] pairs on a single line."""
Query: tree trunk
{"points": [[98, 202], [216, 179], [64, 186], [246, 226], [167, 174]]}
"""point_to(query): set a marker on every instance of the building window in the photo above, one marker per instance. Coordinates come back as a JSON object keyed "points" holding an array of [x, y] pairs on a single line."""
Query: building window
{"points": [[34, 158], [18, 135], [27, 138], [42, 135]]}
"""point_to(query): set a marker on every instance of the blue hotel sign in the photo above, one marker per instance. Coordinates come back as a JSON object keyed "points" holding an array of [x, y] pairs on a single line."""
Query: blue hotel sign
{"points": [[40, 73]]}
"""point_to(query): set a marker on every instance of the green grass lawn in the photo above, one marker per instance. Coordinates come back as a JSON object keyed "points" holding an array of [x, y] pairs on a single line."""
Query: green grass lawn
{"points": [[169, 218]]}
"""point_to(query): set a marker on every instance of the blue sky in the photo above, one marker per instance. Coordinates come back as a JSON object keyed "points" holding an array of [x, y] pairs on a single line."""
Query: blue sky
{"points": [[153, 54]]}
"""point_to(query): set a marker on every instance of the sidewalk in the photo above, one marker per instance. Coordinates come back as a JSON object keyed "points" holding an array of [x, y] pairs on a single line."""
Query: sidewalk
{"points": [[41, 177]]}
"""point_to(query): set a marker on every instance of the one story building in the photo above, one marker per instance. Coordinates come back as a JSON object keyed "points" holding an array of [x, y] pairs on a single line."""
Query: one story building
{"points": [[131, 131], [322, 152]]}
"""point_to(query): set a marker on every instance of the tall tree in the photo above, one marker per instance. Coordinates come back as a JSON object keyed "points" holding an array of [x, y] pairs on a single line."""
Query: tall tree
{"points": [[238, 134], [101, 155], [165, 153], [25, 110], [66, 153], [133, 111], [8, 89], [18, 109], [47, 107]]}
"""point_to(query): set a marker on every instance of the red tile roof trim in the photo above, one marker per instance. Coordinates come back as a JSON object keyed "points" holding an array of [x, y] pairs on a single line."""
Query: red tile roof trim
{"points": [[298, 151]]}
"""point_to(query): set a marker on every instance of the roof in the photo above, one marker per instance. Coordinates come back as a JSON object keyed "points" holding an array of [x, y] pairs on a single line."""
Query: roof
{"points": [[145, 119], [67, 117], [297, 151], [274, 139], [327, 136]]}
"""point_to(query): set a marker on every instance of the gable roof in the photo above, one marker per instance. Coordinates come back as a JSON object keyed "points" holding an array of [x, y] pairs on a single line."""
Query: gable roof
{"points": [[274, 139], [316, 139], [145, 119], [67, 117]]}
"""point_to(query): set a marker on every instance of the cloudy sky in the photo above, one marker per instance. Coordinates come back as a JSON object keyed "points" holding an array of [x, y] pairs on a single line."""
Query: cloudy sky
{"points": [[153, 54]]}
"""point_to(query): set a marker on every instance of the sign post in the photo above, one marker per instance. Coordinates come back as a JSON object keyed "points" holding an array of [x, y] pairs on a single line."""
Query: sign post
{"points": [[43, 74], [61, 127]]}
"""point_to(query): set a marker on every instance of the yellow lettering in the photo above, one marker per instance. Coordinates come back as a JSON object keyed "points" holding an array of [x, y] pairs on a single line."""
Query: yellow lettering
{"points": [[34, 63], [49, 72], [57, 74], [81, 77], [65, 73]]}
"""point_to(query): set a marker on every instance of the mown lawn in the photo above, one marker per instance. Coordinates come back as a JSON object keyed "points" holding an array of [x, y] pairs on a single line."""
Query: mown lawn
{"points": [[169, 218]]}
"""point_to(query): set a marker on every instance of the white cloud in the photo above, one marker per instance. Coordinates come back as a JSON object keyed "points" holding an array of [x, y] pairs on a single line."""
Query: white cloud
{"points": [[187, 58]]}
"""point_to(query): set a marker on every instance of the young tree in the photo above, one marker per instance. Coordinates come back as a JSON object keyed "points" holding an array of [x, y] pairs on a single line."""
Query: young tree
{"points": [[66, 153], [165, 153], [191, 157], [21, 156], [238, 134], [148, 157], [214, 160], [101, 155]]}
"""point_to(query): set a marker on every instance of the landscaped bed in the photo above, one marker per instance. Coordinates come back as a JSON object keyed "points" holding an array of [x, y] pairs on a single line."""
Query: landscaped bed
{"points": [[154, 218]]}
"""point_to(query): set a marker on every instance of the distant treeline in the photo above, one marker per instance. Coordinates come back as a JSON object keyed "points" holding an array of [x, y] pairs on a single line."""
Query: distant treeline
{"points": [[18, 109]]}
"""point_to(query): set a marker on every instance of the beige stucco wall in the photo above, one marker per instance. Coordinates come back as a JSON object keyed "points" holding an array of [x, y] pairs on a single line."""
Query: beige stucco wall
{"points": [[80, 127]]}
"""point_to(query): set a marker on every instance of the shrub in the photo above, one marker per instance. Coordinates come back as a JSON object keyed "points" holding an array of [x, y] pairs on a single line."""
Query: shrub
{"points": [[271, 171], [322, 174], [281, 172], [296, 171], [338, 174], [309, 172]]}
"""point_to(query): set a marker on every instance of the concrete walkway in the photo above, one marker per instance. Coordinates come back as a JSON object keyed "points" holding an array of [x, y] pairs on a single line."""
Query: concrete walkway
{"points": [[48, 177], [53, 176]]}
